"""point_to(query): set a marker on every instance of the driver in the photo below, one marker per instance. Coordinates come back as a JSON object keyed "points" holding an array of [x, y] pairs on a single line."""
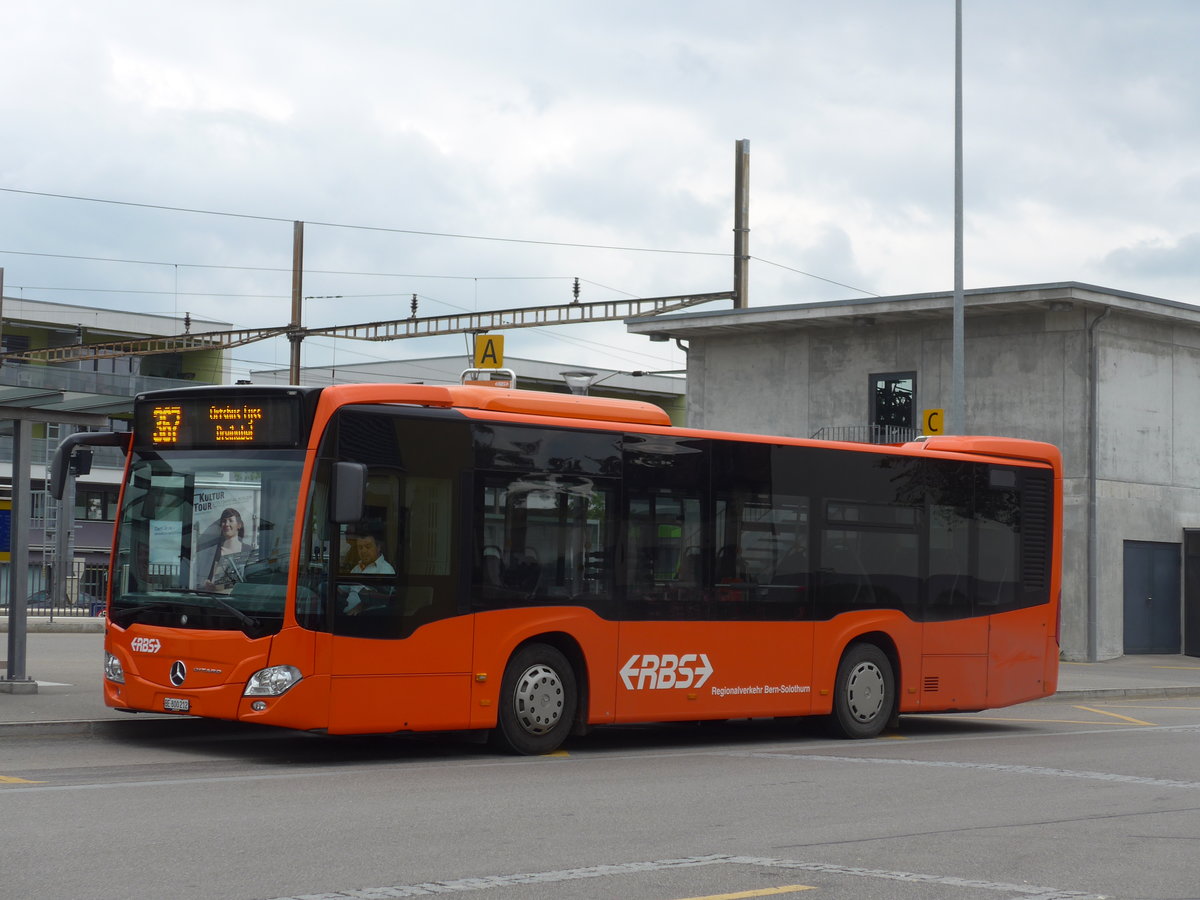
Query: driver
{"points": [[365, 558]]}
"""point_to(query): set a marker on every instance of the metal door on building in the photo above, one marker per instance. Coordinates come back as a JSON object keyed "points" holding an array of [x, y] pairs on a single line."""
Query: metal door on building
{"points": [[1191, 591], [1152, 597]]}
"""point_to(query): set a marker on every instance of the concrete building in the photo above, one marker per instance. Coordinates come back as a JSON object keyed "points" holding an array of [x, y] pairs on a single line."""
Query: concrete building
{"points": [[1110, 377], [61, 396]]}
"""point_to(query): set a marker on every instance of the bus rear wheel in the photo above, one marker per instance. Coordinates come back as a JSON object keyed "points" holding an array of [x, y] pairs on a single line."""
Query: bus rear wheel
{"points": [[864, 692], [538, 699]]}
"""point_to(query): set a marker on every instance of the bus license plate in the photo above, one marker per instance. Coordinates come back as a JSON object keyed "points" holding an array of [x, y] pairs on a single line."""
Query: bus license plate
{"points": [[176, 704]]}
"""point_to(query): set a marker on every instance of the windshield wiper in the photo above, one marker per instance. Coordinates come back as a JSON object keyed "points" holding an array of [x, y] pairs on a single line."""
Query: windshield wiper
{"points": [[125, 617], [215, 597], [128, 616], [247, 621]]}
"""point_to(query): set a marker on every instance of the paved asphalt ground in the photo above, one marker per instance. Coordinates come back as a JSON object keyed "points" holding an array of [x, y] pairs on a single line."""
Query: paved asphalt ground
{"points": [[64, 658]]}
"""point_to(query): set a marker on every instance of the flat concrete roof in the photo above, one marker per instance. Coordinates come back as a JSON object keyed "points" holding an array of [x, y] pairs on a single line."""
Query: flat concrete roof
{"points": [[19, 312], [994, 301], [448, 369]]}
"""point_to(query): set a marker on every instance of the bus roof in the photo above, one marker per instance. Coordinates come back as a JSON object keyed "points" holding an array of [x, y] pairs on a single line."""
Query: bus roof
{"points": [[501, 400]]}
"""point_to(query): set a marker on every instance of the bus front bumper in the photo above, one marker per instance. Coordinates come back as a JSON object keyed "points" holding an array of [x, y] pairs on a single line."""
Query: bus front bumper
{"points": [[303, 706]]}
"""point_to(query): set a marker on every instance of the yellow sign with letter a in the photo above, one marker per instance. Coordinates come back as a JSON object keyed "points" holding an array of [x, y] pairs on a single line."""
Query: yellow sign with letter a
{"points": [[489, 351]]}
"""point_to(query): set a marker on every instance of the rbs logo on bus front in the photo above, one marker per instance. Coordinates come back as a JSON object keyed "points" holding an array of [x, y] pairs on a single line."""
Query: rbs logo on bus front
{"points": [[649, 671]]}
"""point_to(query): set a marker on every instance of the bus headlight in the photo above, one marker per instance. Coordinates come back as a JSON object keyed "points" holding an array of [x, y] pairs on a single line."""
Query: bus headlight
{"points": [[272, 682], [113, 669]]}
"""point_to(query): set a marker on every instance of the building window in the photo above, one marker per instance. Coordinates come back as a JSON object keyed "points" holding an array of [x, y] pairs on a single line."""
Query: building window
{"points": [[95, 505], [892, 396]]}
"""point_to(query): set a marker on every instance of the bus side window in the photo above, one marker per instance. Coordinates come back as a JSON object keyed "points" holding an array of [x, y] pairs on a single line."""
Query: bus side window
{"points": [[665, 533], [997, 534], [870, 556], [948, 591], [542, 538], [668, 528]]}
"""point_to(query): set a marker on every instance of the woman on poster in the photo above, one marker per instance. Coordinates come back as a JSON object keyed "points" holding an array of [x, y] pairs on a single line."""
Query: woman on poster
{"points": [[232, 553]]}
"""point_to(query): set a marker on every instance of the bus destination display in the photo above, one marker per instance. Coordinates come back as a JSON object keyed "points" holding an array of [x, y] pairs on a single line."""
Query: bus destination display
{"points": [[212, 423]]}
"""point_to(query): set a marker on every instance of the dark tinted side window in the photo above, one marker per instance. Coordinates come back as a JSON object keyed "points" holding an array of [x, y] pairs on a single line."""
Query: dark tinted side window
{"points": [[543, 539], [667, 572], [761, 524], [1014, 527], [871, 516], [529, 449], [545, 518]]}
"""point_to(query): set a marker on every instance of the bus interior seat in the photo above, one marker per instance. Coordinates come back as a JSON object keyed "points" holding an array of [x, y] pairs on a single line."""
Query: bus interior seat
{"points": [[492, 566]]}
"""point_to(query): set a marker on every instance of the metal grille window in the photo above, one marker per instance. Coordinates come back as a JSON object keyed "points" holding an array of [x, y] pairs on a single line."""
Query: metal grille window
{"points": [[892, 396]]}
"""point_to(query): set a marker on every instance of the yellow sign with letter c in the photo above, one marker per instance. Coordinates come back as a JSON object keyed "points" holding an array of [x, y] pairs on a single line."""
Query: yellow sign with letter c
{"points": [[933, 421]]}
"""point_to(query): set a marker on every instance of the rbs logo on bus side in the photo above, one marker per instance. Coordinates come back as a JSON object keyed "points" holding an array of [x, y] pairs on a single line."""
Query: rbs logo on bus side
{"points": [[648, 671]]}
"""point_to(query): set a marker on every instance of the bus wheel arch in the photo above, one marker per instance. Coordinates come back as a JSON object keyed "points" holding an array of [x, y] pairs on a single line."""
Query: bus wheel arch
{"points": [[865, 694], [542, 694]]}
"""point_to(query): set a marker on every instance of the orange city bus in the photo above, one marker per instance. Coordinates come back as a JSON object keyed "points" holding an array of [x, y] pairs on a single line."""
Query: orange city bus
{"points": [[387, 558]]}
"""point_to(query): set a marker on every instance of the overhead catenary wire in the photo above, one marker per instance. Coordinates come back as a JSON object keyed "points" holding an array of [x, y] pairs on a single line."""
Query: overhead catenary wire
{"points": [[377, 228], [287, 270], [285, 297], [175, 266], [380, 229], [817, 277]]}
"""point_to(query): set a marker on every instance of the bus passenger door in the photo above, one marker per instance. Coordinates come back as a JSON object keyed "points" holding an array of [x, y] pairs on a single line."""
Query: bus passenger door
{"points": [[716, 615], [401, 653], [954, 663], [714, 635]]}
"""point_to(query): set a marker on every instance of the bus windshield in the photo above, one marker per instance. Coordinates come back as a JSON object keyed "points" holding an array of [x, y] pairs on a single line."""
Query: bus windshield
{"points": [[205, 540]]}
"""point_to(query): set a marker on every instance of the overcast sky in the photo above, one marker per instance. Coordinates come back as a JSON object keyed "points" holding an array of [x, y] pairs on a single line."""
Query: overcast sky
{"points": [[538, 125]]}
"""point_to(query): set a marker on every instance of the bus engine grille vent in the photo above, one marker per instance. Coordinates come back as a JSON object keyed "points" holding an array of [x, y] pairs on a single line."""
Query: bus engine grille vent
{"points": [[1036, 532], [932, 684]]}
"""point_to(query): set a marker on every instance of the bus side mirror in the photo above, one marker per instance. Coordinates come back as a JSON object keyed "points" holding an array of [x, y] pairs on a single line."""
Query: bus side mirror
{"points": [[349, 489], [81, 462], [64, 464]]}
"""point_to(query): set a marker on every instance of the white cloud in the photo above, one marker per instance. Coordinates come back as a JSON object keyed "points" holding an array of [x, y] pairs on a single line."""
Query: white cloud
{"points": [[163, 86], [605, 124]]}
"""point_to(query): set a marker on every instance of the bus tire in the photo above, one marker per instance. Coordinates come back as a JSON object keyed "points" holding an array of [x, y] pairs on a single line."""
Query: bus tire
{"points": [[864, 693], [538, 698]]}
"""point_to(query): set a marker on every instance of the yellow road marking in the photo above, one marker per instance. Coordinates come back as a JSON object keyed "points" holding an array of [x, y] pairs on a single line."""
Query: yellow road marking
{"points": [[557, 753], [1016, 719], [12, 779], [764, 892], [1115, 715], [1188, 668]]}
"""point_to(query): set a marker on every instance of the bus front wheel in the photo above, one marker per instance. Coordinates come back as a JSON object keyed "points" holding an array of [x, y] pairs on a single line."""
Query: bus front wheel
{"points": [[537, 701], [864, 693]]}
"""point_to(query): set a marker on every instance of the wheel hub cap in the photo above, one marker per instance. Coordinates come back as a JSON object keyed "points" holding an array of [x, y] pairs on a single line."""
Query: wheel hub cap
{"points": [[539, 699], [864, 692]]}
